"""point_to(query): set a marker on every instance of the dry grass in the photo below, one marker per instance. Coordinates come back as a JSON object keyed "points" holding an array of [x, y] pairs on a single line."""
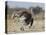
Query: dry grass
{"points": [[15, 25]]}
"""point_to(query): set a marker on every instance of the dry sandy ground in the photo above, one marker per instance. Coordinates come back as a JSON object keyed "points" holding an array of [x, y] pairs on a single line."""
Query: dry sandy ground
{"points": [[15, 25]]}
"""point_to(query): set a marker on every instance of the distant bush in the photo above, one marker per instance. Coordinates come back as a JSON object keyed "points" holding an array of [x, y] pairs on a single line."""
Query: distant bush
{"points": [[36, 10]]}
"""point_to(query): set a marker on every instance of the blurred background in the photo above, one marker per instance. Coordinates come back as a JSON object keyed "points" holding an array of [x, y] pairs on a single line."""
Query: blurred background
{"points": [[38, 12]]}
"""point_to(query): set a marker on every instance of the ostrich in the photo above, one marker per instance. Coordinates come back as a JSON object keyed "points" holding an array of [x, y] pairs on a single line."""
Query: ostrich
{"points": [[27, 15]]}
